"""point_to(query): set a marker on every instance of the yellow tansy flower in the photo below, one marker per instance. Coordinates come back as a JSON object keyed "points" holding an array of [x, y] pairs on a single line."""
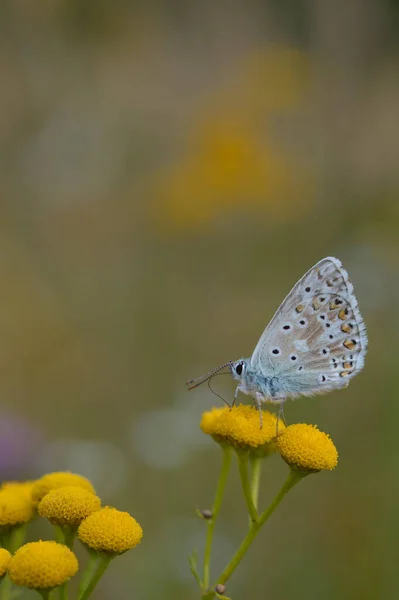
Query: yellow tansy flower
{"points": [[5, 558], [68, 505], [15, 508], [240, 427], [22, 487], [42, 565], [110, 530], [53, 481], [306, 448]]}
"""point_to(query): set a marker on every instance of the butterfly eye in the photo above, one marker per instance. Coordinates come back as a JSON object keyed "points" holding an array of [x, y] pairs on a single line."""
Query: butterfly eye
{"points": [[239, 368]]}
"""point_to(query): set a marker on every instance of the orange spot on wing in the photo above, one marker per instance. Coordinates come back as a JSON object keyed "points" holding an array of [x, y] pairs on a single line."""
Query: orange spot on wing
{"points": [[350, 344]]}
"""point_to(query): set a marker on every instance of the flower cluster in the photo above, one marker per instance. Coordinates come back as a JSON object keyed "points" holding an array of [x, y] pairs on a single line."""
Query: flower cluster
{"points": [[303, 447], [253, 436], [69, 502]]}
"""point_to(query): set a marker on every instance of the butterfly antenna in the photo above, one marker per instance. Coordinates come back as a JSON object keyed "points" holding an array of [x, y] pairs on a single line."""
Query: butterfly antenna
{"points": [[193, 383]]}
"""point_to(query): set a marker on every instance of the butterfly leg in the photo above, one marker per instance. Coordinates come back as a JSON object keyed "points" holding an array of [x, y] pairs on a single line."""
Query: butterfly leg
{"points": [[280, 414], [258, 401], [238, 388]]}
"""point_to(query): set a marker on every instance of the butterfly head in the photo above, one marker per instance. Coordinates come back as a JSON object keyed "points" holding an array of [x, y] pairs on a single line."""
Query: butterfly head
{"points": [[239, 368]]}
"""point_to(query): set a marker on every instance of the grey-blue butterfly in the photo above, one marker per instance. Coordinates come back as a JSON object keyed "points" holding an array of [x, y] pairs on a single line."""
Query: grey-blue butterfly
{"points": [[315, 343]]}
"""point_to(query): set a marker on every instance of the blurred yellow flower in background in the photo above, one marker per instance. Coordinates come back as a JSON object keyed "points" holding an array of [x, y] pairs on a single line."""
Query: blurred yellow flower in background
{"points": [[60, 479], [5, 558], [240, 427], [306, 448], [232, 162], [273, 80], [110, 530], [68, 505], [21, 487], [15, 508], [42, 565]]}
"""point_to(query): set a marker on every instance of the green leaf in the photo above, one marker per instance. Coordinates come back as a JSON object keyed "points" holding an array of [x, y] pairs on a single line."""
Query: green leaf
{"points": [[192, 559]]}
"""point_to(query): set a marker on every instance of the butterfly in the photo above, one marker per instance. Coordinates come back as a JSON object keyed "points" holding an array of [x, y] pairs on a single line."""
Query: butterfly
{"points": [[315, 343]]}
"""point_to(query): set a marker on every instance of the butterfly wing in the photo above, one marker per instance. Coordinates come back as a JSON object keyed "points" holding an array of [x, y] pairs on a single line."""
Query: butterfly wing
{"points": [[317, 340]]}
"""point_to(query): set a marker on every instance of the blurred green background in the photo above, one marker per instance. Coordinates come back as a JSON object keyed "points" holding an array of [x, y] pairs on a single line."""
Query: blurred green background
{"points": [[168, 170]]}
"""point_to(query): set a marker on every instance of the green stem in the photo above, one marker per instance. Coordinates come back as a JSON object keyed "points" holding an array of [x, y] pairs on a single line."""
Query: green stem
{"points": [[209, 595], [45, 594], [59, 534], [18, 537], [64, 534], [5, 588], [243, 468], [293, 478], [256, 469], [88, 573], [13, 538], [63, 592], [69, 536], [224, 471], [101, 562]]}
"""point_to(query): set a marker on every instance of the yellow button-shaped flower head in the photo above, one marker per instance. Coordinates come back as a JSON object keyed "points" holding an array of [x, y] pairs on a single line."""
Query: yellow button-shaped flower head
{"points": [[42, 565], [306, 448], [5, 558], [68, 505], [15, 508], [110, 530], [53, 481], [240, 427], [22, 487]]}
